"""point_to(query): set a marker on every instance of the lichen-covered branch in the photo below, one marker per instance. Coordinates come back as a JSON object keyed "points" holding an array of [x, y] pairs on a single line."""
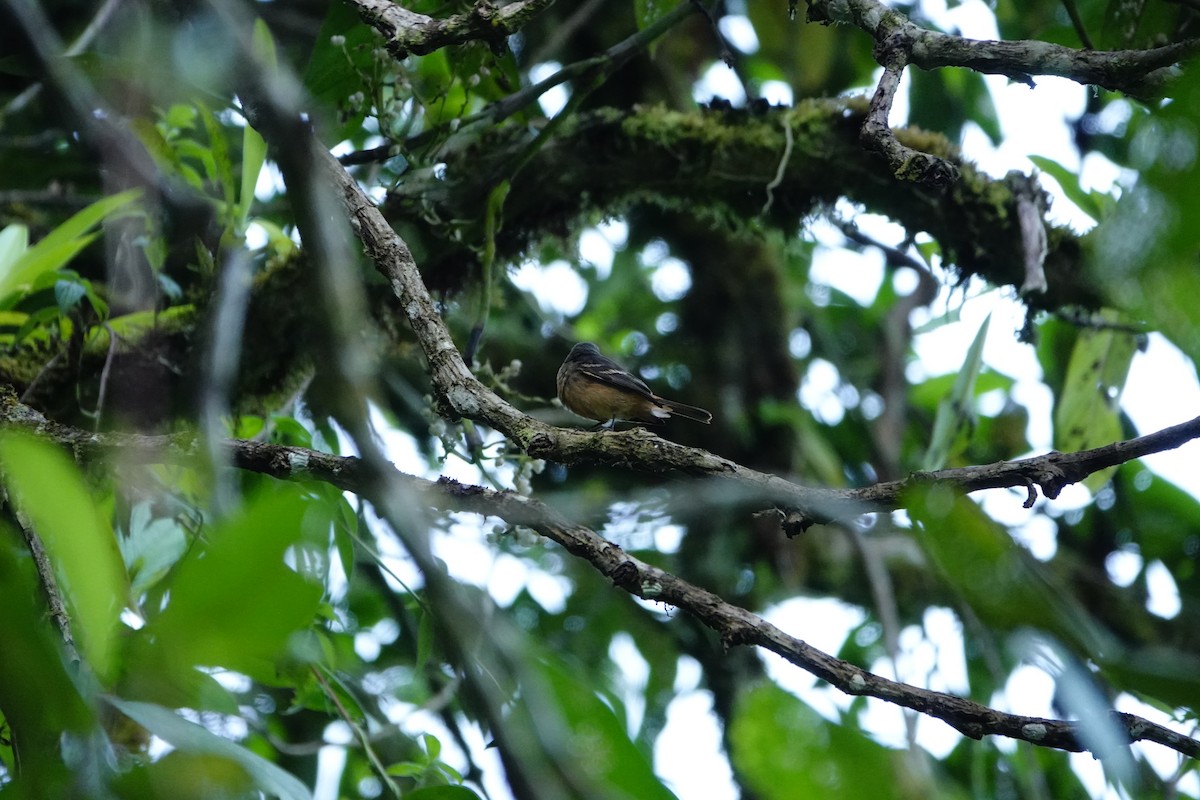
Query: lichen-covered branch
{"points": [[735, 625], [408, 31], [1140, 73]]}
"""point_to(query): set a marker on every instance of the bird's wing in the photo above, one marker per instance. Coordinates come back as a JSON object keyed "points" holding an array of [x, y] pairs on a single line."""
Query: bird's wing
{"points": [[607, 371]]}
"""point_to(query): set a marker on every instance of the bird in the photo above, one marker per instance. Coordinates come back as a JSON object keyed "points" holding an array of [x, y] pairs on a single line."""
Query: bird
{"points": [[596, 387]]}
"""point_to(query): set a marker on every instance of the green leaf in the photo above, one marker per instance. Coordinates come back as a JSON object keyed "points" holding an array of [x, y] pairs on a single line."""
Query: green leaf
{"points": [[433, 746], [956, 411], [196, 739], [67, 294], [406, 769], [60, 245], [425, 636], [785, 750], [337, 66], [607, 760], [80, 544], [244, 565], [1096, 205], [1088, 411], [254, 155], [37, 695], [254, 147], [151, 547], [929, 393], [999, 580]]}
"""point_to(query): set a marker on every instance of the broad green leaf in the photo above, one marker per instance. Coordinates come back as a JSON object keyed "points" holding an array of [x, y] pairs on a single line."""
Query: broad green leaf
{"points": [[929, 393], [1001, 582], [956, 411], [1088, 411], [131, 326], [245, 565], [80, 544], [254, 155], [196, 739], [83, 221], [785, 750], [341, 55], [39, 261]]}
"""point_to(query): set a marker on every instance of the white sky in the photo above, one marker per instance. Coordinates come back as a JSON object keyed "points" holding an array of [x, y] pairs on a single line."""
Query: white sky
{"points": [[1162, 390]]}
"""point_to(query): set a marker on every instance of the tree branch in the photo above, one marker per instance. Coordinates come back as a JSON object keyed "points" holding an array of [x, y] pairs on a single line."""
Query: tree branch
{"points": [[907, 164], [735, 625], [1140, 73], [460, 394], [410, 32]]}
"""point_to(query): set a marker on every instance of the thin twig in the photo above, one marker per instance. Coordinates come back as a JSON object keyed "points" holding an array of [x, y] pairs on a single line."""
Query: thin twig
{"points": [[781, 168], [105, 371], [1077, 22], [364, 740]]}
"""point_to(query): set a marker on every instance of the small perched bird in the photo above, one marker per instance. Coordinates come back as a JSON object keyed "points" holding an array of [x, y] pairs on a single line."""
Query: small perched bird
{"points": [[601, 389]]}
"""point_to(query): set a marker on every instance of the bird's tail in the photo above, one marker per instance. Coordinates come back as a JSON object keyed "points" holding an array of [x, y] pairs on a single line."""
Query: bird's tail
{"points": [[684, 410]]}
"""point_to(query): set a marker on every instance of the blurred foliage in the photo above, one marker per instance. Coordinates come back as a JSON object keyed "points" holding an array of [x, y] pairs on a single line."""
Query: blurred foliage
{"points": [[248, 650]]}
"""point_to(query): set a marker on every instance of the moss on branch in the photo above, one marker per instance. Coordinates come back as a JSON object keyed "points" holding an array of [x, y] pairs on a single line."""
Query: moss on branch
{"points": [[716, 164]]}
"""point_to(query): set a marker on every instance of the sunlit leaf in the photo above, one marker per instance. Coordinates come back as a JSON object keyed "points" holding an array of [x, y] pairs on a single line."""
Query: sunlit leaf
{"points": [[62, 244], [956, 411], [14, 241], [242, 566], [1095, 204], [1088, 411]]}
